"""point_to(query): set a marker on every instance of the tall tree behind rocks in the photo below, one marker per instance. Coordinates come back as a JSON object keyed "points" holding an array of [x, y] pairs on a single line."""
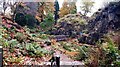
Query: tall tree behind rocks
{"points": [[64, 10], [73, 8], [56, 6], [68, 8], [87, 5], [44, 8]]}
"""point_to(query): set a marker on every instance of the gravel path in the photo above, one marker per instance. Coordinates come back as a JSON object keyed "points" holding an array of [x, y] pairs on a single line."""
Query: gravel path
{"points": [[64, 59]]}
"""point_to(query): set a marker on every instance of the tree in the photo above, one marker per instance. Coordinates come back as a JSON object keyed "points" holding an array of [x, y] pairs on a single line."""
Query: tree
{"points": [[68, 8], [41, 14], [12, 8], [87, 5], [72, 7], [56, 11], [64, 10], [44, 8]]}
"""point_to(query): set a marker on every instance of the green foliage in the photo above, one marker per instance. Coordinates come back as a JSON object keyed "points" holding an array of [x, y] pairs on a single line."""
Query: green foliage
{"points": [[56, 11], [68, 8], [82, 53], [43, 36], [14, 59], [66, 47], [56, 5], [73, 11], [35, 50], [25, 19], [69, 46], [4, 43], [104, 55], [13, 43], [73, 19], [31, 21], [48, 22], [87, 5], [111, 55], [20, 37]]}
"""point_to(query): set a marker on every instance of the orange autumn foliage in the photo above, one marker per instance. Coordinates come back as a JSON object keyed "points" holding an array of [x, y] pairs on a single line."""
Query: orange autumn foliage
{"points": [[71, 53]]}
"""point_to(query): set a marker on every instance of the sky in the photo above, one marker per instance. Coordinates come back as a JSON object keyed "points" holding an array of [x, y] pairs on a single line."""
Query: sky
{"points": [[97, 5]]}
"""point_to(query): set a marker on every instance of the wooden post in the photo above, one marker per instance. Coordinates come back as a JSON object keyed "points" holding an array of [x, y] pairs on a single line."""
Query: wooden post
{"points": [[57, 61], [1, 56]]}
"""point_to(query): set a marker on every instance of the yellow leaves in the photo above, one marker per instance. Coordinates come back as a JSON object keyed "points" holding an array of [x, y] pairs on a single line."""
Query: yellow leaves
{"points": [[53, 41], [105, 45], [74, 19], [67, 8], [71, 53], [38, 18], [46, 8], [64, 11], [50, 7], [13, 59], [74, 41], [4, 35]]}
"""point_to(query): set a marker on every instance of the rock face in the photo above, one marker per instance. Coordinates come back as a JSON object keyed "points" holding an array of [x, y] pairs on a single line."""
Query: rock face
{"points": [[27, 8], [70, 25], [105, 20], [25, 14]]}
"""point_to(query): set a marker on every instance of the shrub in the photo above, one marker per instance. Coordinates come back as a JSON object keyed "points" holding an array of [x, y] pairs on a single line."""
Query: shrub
{"points": [[31, 21], [48, 22], [35, 50], [104, 55]]}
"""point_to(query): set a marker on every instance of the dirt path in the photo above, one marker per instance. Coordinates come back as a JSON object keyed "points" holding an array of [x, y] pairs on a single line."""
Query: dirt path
{"points": [[64, 59]]}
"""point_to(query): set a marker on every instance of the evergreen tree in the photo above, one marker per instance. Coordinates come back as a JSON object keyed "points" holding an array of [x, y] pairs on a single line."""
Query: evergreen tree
{"points": [[56, 11]]}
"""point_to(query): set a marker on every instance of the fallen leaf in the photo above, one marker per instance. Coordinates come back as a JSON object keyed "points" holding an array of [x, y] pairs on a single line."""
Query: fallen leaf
{"points": [[71, 53]]}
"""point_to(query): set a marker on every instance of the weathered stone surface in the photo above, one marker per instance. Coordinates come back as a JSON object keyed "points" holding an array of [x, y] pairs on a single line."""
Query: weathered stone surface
{"points": [[105, 20], [25, 14], [70, 25]]}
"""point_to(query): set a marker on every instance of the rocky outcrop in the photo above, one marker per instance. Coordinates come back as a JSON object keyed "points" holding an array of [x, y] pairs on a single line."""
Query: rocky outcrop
{"points": [[106, 19], [25, 14], [70, 25]]}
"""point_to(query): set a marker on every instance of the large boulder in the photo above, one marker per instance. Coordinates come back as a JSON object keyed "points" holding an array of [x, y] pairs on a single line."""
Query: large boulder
{"points": [[25, 14], [70, 24], [105, 20]]}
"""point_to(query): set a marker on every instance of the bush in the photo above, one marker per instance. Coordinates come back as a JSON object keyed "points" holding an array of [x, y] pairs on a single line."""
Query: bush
{"points": [[31, 21], [48, 22], [104, 55], [74, 19], [35, 50], [20, 19]]}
